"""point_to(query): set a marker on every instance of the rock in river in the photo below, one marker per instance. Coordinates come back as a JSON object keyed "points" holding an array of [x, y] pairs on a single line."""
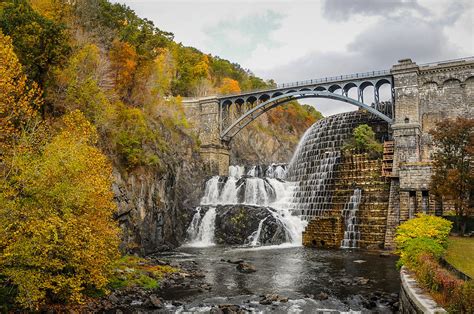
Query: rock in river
{"points": [[246, 268]]}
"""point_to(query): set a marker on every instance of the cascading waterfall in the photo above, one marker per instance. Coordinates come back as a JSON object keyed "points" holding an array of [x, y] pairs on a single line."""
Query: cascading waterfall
{"points": [[314, 161], [257, 187], [193, 228], [351, 234], [205, 234], [256, 235], [211, 194]]}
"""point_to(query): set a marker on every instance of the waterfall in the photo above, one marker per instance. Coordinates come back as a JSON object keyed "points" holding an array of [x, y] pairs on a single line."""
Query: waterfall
{"points": [[256, 235], [352, 233], [248, 188], [211, 193], [229, 192], [313, 164], [255, 192], [276, 171], [236, 171], [193, 228], [205, 233]]}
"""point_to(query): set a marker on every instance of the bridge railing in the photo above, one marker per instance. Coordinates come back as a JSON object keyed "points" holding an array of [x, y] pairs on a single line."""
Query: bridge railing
{"points": [[334, 79]]}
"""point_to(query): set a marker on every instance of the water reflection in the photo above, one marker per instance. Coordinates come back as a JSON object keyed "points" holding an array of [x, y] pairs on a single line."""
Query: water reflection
{"points": [[296, 272]]}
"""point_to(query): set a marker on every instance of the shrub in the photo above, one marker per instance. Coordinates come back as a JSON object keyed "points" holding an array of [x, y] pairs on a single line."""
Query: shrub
{"points": [[363, 140], [421, 242], [423, 226], [415, 247]]}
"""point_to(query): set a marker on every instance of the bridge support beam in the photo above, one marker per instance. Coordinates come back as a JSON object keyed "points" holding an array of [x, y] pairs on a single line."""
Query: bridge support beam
{"points": [[203, 113]]}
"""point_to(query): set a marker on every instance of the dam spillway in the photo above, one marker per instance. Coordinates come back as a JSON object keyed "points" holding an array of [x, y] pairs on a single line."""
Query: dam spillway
{"points": [[311, 200]]}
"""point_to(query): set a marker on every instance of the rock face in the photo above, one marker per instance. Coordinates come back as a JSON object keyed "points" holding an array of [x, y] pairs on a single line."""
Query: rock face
{"points": [[155, 208], [235, 224]]}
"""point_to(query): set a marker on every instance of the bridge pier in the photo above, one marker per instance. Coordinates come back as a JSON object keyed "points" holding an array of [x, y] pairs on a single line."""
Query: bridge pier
{"points": [[203, 113]]}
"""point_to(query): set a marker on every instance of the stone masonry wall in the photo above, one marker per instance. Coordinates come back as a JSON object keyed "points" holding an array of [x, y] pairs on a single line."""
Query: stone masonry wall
{"points": [[203, 114], [424, 95], [354, 171]]}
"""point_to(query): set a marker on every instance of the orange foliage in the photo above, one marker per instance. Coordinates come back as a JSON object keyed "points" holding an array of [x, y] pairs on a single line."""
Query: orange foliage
{"points": [[229, 86], [123, 58]]}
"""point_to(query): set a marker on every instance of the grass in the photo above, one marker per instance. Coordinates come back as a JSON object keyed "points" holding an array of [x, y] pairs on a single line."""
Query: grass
{"points": [[132, 271], [460, 254]]}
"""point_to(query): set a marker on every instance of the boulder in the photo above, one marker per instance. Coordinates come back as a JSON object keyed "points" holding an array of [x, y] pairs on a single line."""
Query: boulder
{"points": [[235, 225], [246, 268]]}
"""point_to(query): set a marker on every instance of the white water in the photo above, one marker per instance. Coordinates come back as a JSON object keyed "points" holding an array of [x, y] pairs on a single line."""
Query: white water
{"points": [[205, 233], [211, 193], [270, 191], [255, 192], [229, 192], [352, 233], [193, 228], [256, 235]]}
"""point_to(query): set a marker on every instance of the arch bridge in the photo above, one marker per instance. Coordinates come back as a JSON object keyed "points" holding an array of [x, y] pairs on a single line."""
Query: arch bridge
{"points": [[237, 111], [420, 96]]}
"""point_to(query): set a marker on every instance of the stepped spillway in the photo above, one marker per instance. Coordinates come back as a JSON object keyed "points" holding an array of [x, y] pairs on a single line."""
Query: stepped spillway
{"points": [[316, 158]]}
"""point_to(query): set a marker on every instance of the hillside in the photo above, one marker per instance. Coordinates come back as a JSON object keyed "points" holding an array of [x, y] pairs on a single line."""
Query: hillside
{"points": [[95, 150]]}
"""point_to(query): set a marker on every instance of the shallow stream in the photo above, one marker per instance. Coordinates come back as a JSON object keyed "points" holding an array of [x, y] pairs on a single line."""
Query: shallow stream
{"points": [[337, 280]]}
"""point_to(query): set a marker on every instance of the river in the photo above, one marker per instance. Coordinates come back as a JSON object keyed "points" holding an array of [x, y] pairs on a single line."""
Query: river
{"points": [[313, 280]]}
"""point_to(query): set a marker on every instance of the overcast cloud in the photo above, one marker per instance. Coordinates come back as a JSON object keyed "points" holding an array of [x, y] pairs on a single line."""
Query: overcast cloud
{"points": [[298, 40]]}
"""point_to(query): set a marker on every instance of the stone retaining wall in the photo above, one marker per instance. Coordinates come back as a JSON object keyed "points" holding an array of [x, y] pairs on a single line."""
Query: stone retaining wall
{"points": [[413, 299]]}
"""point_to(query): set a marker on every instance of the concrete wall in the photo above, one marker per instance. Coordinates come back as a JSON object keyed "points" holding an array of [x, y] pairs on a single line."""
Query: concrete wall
{"points": [[413, 299]]}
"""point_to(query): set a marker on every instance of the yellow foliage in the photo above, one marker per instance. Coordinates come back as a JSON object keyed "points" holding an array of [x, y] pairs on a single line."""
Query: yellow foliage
{"points": [[59, 237], [423, 226], [229, 86], [18, 102], [56, 10], [201, 69]]}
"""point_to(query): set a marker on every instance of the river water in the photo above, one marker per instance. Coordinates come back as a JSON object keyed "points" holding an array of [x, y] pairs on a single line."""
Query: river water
{"points": [[313, 280]]}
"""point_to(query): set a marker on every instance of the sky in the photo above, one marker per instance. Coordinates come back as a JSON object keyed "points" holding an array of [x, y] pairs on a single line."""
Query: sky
{"points": [[297, 40]]}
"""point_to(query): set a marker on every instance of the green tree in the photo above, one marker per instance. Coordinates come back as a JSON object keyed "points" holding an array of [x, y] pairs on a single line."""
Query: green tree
{"points": [[453, 166], [57, 235], [363, 140], [39, 43]]}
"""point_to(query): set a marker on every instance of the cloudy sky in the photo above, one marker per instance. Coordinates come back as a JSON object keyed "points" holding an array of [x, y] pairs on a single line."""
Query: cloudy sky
{"points": [[298, 40]]}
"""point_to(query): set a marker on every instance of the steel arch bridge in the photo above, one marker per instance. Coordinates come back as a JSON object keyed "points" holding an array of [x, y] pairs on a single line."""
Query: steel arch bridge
{"points": [[237, 111]]}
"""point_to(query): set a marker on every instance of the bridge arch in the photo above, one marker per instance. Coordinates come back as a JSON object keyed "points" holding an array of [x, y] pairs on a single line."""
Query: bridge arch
{"points": [[320, 88], [228, 133]]}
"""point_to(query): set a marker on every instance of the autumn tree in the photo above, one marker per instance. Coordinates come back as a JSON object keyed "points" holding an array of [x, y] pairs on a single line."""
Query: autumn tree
{"points": [[123, 59], [229, 86], [57, 235], [453, 166], [39, 43], [18, 101]]}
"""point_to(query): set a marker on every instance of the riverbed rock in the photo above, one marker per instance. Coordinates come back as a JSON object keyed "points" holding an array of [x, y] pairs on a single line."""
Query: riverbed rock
{"points": [[156, 301], [322, 296], [246, 268], [235, 224]]}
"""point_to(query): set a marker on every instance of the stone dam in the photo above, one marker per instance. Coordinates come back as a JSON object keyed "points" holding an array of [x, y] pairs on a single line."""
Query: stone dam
{"points": [[335, 198]]}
